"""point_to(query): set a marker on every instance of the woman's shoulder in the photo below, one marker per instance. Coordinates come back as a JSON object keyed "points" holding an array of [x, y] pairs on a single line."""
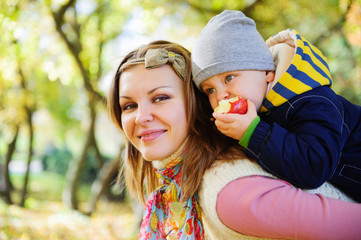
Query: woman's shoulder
{"points": [[233, 169], [223, 172]]}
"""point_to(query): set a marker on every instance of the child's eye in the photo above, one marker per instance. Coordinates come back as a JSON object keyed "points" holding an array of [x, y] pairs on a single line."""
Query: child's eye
{"points": [[210, 91], [160, 98], [129, 106], [229, 78]]}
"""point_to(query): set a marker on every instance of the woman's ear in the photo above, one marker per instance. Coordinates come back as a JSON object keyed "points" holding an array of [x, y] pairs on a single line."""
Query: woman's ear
{"points": [[270, 76]]}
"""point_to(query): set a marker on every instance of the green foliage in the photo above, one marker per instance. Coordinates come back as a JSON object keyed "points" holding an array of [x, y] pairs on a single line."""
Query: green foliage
{"points": [[91, 168], [56, 160]]}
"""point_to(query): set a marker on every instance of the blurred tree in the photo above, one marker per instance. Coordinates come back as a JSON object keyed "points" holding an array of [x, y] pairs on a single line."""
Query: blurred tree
{"points": [[19, 100], [29, 108], [84, 37], [6, 177]]}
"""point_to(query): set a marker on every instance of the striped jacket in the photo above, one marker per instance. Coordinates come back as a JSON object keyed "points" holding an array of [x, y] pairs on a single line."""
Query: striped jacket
{"points": [[308, 134]]}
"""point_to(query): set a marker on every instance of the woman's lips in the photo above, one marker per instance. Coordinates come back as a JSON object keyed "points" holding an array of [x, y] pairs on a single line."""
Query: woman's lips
{"points": [[150, 135]]}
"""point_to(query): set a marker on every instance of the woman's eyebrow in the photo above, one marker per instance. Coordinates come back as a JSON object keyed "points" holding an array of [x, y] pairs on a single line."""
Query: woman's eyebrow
{"points": [[154, 89], [149, 92], [126, 97]]}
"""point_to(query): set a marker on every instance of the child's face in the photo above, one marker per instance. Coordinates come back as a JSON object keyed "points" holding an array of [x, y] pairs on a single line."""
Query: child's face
{"points": [[249, 84]]}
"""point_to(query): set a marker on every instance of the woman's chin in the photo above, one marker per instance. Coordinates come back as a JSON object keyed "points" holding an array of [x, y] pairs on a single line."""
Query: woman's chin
{"points": [[150, 157], [159, 152]]}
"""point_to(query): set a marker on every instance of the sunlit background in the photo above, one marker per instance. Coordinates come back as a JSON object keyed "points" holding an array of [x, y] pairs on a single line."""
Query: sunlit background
{"points": [[59, 151]]}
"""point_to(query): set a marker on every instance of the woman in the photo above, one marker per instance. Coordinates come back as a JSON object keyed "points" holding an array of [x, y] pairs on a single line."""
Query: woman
{"points": [[200, 183]]}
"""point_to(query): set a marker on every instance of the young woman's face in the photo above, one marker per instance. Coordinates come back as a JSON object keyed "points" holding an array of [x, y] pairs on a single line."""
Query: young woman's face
{"points": [[250, 85], [153, 110]]}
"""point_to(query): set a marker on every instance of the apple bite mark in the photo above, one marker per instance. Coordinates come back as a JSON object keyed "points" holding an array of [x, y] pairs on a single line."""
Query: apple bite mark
{"points": [[233, 105]]}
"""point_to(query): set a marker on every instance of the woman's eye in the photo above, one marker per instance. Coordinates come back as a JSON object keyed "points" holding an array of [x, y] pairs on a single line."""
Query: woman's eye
{"points": [[160, 98], [129, 106], [229, 78], [210, 91]]}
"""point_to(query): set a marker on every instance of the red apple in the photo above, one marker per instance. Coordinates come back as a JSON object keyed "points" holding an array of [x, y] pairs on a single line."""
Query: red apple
{"points": [[233, 105]]}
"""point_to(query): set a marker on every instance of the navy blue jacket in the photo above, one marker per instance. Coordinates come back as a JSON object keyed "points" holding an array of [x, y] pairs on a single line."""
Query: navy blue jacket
{"points": [[313, 136]]}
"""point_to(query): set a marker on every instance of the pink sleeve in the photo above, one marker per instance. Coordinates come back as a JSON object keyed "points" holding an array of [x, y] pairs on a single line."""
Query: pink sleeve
{"points": [[272, 208]]}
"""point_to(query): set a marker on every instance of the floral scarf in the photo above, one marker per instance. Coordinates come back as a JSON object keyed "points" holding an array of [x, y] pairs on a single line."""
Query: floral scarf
{"points": [[164, 216]]}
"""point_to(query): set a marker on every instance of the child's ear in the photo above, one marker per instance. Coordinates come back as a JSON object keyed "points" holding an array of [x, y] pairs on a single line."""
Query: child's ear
{"points": [[270, 76]]}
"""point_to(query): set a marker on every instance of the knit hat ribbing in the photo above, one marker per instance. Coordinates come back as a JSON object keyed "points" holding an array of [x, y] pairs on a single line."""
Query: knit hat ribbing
{"points": [[229, 42]]}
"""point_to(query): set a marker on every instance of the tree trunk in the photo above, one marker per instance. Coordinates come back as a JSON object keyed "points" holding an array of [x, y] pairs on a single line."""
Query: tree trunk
{"points": [[106, 175], [29, 109], [98, 156], [30, 154], [8, 186], [76, 167], [73, 176]]}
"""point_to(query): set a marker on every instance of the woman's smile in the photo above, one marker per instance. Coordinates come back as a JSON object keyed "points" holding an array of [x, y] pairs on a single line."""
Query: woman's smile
{"points": [[150, 135]]}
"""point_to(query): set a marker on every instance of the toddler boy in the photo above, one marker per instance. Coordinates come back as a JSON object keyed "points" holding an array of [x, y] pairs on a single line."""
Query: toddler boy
{"points": [[296, 127]]}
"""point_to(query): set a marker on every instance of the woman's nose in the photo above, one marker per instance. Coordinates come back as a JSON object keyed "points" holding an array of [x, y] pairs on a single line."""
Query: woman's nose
{"points": [[143, 116]]}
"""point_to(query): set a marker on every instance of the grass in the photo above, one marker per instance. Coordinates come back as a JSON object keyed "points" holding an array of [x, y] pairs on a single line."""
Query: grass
{"points": [[46, 186], [46, 218]]}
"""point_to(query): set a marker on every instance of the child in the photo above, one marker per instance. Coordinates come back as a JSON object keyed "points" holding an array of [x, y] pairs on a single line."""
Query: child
{"points": [[304, 132]]}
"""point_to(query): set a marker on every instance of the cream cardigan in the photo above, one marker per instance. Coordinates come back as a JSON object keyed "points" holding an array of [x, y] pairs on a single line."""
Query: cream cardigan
{"points": [[218, 176]]}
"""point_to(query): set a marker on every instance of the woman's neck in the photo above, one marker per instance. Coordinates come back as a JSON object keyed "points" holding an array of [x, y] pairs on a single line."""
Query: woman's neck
{"points": [[162, 163]]}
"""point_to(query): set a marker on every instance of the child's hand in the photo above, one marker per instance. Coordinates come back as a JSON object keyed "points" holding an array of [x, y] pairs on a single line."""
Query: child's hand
{"points": [[235, 125]]}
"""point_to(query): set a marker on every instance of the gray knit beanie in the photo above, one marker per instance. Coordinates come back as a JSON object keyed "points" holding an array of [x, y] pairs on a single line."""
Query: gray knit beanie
{"points": [[229, 42]]}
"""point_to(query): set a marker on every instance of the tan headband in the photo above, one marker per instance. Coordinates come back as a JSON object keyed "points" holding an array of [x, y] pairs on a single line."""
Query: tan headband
{"points": [[155, 58]]}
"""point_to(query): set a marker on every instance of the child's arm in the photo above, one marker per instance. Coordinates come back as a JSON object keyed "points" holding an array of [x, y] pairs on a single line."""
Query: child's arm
{"points": [[302, 141], [272, 208]]}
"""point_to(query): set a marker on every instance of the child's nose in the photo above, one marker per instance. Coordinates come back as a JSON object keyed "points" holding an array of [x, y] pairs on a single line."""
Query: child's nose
{"points": [[222, 95]]}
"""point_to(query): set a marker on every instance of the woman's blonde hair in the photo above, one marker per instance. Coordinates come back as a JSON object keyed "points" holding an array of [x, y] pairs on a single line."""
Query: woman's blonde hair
{"points": [[205, 143]]}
